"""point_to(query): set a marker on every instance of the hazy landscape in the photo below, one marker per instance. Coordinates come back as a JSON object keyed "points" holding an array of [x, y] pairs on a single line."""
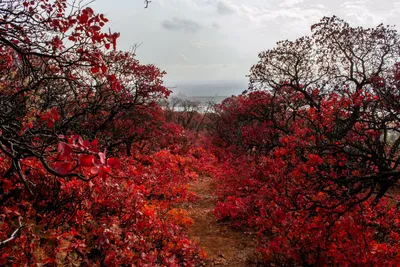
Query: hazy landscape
{"points": [[209, 88], [111, 154]]}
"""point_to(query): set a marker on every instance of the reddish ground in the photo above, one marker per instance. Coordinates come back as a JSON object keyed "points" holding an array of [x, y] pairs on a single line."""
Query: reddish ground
{"points": [[224, 246]]}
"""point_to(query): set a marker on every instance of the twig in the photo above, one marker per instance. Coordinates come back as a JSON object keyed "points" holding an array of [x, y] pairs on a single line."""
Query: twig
{"points": [[17, 167], [14, 234], [135, 47], [146, 2]]}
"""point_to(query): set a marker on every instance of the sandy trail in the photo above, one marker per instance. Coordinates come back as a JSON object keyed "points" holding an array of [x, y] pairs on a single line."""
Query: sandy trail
{"points": [[224, 246]]}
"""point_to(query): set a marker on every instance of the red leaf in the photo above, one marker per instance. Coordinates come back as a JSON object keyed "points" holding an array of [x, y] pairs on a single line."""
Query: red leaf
{"points": [[80, 141], [64, 149], [103, 18], [95, 28], [86, 160], [64, 168], [102, 156], [84, 143], [104, 68], [105, 169], [116, 86], [95, 69], [113, 162], [95, 170], [89, 11], [96, 162]]}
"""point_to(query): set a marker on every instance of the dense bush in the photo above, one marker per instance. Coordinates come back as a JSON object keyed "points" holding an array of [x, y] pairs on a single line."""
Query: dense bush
{"points": [[91, 173], [311, 153]]}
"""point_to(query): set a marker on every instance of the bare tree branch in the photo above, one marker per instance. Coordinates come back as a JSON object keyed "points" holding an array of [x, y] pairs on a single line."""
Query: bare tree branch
{"points": [[14, 234]]}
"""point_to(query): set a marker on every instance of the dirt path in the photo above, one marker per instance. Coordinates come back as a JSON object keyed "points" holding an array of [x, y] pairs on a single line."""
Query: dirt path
{"points": [[224, 246]]}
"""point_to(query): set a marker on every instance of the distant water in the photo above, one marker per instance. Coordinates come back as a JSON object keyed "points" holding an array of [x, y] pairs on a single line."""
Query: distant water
{"points": [[208, 88], [203, 101]]}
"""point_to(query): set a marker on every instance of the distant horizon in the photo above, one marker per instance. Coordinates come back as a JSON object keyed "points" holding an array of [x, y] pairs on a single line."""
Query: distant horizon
{"points": [[204, 101], [208, 88]]}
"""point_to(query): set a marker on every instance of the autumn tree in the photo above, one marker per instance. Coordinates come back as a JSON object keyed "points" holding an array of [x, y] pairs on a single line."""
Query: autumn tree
{"points": [[49, 80], [321, 115], [73, 110], [185, 112], [352, 66]]}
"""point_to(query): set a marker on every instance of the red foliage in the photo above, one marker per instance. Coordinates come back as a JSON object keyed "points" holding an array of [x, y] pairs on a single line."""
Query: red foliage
{"points": [[120, 219], [90, 171], [315, 171]]}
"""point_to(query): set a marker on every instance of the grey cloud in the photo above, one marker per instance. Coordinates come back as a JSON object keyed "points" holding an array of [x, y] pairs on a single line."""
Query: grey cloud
{"points": [[359, 12], [290, 3], [254, 25], [224, 8], [178, 24], [215, 25]]}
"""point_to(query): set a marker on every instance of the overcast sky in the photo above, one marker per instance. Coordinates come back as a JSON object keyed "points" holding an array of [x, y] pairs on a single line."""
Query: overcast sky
{"points": [[217, 41]]}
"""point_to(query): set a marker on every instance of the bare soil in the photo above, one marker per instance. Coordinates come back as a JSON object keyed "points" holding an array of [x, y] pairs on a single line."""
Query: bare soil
{"points": [[224, 246]]}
